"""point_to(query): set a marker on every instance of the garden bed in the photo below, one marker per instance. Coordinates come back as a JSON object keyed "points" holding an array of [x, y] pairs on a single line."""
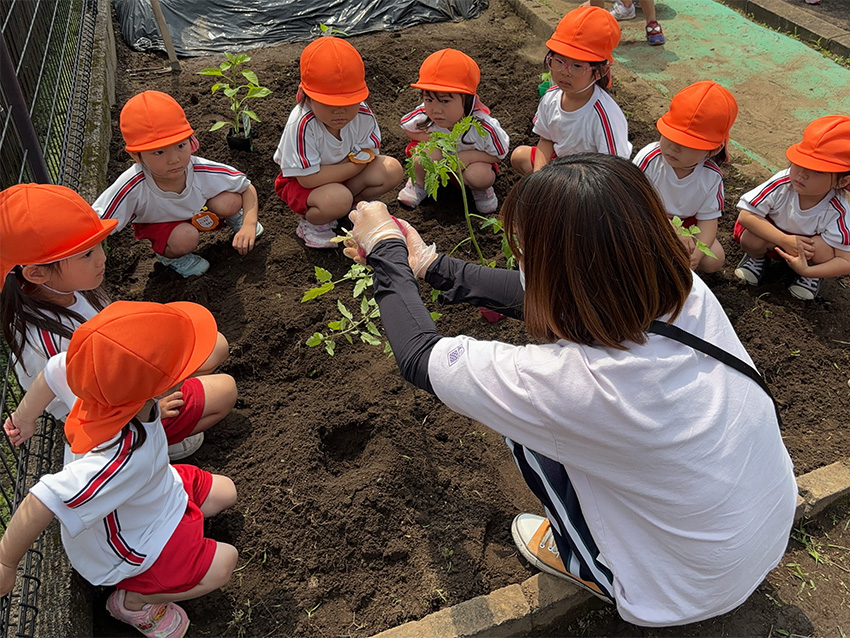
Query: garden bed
{"points": [[364, 503]]}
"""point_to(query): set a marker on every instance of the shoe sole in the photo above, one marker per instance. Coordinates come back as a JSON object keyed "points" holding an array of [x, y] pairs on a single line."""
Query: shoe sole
{"points": [[806, 296], [543, 567], [747, 276], [187, 451]]}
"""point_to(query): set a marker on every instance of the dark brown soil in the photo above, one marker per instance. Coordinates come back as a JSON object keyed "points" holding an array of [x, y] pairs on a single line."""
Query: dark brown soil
{"points": [[364, 503]]}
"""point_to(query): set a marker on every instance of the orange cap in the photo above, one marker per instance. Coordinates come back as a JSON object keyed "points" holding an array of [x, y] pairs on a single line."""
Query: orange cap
{"points": [[449, 71], [700, 116], [152, 120], [332, 72], [43, 223], [130, 352], [586, 34], [825, 146]]}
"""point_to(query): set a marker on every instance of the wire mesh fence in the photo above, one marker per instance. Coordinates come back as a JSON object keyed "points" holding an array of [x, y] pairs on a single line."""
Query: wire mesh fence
{"points": [[45, 63]]}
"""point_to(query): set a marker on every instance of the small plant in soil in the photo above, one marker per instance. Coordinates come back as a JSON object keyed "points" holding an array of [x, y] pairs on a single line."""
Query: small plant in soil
{"points": [[692, 232], [239, 84]]}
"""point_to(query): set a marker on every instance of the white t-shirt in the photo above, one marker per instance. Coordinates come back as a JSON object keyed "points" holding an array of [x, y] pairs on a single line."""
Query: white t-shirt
{"points": [[42, 344], [117, 507], [699, 194], [495, 143], [306, 144], [676, 458], [777, 200], [135, 197], [597, 127]]}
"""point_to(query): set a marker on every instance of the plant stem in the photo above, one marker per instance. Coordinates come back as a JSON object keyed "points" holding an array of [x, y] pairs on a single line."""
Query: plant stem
{"points": [[468, 217]]}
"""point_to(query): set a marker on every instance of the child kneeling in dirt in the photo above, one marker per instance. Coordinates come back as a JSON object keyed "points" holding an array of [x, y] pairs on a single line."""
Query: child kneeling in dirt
{"points": [[128, 518], [329, 152], [169, 194], [448, 80], [802, 211]]}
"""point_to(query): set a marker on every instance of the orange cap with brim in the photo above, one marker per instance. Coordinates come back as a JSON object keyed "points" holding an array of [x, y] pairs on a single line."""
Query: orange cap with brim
{"points": [[152, 120], [332, 72], [130, 352], [44, 223], [825, 146], [449, 71], [700, 116], [586, 34]]}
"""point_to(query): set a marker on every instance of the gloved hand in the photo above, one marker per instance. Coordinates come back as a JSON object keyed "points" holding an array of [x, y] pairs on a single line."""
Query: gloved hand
{"points": [[419, 254], [372, 224]]}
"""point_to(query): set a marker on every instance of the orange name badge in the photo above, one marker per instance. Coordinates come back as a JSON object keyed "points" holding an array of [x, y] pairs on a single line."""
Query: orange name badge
{"points": [[361, 156], [205, 220]]}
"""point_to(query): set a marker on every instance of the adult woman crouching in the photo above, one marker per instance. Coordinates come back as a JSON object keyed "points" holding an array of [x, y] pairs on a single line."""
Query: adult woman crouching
{"points": [[666, 485]]}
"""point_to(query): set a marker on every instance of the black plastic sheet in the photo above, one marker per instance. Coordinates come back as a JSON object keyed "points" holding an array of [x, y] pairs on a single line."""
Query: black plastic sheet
{"points": [[202, 27]]}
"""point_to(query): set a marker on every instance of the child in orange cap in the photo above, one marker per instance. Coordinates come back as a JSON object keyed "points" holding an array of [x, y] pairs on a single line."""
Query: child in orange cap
{"points": [[51, 267], [577, 115], [329, 153], [683, 165], [128, 518], [449, 81], [169, 194], [802, 211]]}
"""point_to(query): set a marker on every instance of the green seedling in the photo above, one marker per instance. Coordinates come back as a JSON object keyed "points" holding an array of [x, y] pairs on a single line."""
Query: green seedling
{"points": [[326, 30], [692, 232], [360, 275], [447, 556], [310, 611], [232, 75], [498, 229]]}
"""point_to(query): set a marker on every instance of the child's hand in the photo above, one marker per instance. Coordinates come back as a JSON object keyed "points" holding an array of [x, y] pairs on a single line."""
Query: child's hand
{"points": [[7, 579], [794, 244], [696, 255], [243, 241], [169, 407], [799, 262], [19, 430]]}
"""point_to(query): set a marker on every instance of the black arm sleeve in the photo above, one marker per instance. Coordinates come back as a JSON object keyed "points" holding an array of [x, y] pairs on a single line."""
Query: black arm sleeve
{"points": [[461, 281], [411, 331]]}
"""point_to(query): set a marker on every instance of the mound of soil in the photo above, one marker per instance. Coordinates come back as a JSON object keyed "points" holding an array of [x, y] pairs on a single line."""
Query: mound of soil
{"points": [[364, 503]]}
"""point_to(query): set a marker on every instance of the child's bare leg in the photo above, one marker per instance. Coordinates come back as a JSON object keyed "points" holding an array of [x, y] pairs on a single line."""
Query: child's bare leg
{"points": [[380, 176], [222, 495], [479, 175], [225, 204], [710, 264], [220, 352], [823, 251], [521, 160], [219, 399], [754, 245], [182, 241], [328, 203]]}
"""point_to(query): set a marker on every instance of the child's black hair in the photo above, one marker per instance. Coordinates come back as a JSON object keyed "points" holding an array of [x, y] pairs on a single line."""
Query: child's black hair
{"points": [[19, 310]]}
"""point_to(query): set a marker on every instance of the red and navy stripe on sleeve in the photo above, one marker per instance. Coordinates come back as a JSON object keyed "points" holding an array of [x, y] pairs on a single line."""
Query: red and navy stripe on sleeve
{"points": [[122, 193], [605, 122], [108, 472], [841, 222]]}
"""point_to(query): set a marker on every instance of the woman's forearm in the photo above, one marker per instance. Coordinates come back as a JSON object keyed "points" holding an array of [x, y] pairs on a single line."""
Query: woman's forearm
{"points": [[464, 282]]}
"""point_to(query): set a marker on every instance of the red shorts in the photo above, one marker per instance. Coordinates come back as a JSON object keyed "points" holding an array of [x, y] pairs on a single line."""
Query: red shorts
{"points": [[534, 154], [179, 427], [292, 193], [687, 222], [739, 230], [157, 234], [187, 556], [408, 151]]}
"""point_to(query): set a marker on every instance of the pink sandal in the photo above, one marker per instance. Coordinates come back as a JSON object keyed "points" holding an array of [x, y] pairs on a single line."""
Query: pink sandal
{"points": [[161, 620]]}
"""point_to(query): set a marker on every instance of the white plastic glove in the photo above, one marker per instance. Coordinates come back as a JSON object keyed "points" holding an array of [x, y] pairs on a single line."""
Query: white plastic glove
{"points": [[372, 224], [419, 254]]}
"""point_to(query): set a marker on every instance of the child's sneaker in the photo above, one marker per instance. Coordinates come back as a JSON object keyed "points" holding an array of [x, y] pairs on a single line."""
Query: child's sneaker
{"points": [[750, 269], [316, 235], [235, 222], [533, 537], [186, 447], [161, 620], [485, 200], [622, 12], [412, 194], [805, 288], [187, 265], [654, 34]]}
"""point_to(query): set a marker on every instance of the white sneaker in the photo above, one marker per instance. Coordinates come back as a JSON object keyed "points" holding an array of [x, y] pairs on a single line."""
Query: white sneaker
{"points": [[412, 194], [316, 236], [186, 447], [805, 288], [485, 200], [235, 222], [622, 12], [187, 265]]}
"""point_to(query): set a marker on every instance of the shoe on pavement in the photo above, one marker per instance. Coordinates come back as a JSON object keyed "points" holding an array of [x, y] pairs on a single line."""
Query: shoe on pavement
{"points": [[187, 265], [235, 222], [485, 200], [186, 447], [412, 194], [533, 537], [654, 34], [160, 620], [622, 12], [316, 235], [750, 269], [805, 288]]}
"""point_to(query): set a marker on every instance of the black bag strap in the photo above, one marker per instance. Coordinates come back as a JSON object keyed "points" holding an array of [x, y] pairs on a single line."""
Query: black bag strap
{"points": [[683, 336]]}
